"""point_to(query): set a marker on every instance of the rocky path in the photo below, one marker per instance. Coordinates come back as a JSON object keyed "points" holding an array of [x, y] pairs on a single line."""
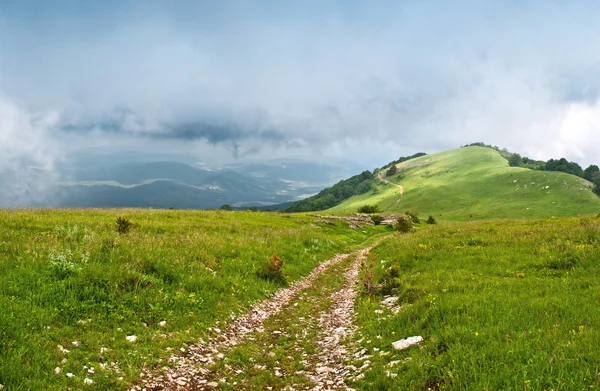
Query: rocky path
{"points": [[336, 325], [293, 340]]}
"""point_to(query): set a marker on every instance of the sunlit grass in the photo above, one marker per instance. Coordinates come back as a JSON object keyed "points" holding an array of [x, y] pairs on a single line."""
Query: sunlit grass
{"points": [[67, 276], [501, 305], [476, 183]]}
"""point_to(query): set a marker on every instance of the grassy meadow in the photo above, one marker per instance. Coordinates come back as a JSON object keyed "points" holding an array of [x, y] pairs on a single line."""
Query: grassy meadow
{"points": [[69, 281], [503, 305], [475, 183]]}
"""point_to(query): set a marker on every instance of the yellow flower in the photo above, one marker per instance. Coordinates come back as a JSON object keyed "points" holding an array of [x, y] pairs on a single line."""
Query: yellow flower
{"points": [[476, 334]]}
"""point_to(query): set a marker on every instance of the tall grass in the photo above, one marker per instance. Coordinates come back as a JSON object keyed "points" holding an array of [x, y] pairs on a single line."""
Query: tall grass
{"points": [[69, 279], [507, 305]]}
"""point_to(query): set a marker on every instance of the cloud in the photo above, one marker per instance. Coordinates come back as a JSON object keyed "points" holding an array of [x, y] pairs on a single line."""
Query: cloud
{"points": [[28, 155], [363, 79]]}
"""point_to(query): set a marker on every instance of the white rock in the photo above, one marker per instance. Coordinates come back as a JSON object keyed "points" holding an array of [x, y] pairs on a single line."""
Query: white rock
{"points": [[212, 384], [131, 338], [87, 381], [407, 342]]}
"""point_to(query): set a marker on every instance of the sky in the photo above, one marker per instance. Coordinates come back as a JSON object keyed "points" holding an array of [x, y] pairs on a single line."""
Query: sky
{"points": [[366, 81]]}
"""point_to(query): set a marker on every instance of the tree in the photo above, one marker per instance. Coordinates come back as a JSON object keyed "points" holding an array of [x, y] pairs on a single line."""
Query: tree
{"points": [[590, 171], [515, 160], [226, 207]]}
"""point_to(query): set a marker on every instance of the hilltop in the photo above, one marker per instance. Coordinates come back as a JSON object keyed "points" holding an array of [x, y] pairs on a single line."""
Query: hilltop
{"points": [[472, 183]]}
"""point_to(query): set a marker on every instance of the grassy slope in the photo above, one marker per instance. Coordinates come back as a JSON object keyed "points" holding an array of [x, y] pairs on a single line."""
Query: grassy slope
{"points": [[476, 183], [501, 305], [66, 275]]}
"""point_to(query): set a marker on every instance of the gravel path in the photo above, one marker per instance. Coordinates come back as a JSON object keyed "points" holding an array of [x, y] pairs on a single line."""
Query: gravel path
{"points": [[192, 370], [337, 324]]}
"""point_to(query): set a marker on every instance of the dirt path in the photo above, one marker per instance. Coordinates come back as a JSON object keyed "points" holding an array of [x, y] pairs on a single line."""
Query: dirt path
{"points": [[382, 179], [337, 325], [280, 342]]}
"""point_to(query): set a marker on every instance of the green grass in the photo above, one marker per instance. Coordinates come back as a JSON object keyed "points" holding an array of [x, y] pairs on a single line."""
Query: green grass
{"points": [[505, 305], [475, 183], [67, 275]]}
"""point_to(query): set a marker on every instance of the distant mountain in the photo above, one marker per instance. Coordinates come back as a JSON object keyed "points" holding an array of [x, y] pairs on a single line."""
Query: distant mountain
{"points": [[91, 181], [138, 173]]}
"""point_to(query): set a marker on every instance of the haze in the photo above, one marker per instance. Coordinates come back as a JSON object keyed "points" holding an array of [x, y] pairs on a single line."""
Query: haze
{"points": [[232, 80]]}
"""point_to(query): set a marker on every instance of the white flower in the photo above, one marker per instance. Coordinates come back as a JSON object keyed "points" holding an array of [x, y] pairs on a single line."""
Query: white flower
{"points": [[131, 338], [162, 323], [1, 386], [62, 349], [75, 343], [87, 381], [69, 374], [57, 370]]}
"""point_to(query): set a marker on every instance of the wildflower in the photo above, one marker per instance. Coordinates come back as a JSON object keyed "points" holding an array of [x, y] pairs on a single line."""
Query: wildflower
{"points": [[87, 381], [57, 370], [131, 338]]}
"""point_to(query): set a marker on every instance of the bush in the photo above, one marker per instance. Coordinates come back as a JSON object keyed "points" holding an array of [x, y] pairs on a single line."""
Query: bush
{"points": [[123, 225], [272, 269], [430, 220], [391, 171], [413, 216], [368, 209], [376, 219], [404, 224], [226, 207]]}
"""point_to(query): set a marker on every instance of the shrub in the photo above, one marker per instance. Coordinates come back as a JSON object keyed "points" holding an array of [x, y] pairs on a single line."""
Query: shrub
{"points": [[226, 207], [123, 225], [413, 217], [368, 209], [390, 281], [376, 219], [404, 224], [272, 269], [391, 171], [430, 220], [368, 274]]}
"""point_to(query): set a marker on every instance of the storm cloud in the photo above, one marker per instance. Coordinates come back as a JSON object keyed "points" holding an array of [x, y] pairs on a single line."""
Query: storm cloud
{"points": [[364, 80]]}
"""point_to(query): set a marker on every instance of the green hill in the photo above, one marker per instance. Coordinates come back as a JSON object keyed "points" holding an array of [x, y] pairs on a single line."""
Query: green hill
{"points": [[474, 183]]}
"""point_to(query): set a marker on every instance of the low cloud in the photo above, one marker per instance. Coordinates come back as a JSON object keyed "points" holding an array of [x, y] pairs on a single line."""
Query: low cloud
{"points": [[28, 155], [357, 80]]}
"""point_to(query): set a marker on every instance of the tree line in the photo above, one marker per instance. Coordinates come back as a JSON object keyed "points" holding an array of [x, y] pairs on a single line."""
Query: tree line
{"points": [[592, 173], [336, 194]]}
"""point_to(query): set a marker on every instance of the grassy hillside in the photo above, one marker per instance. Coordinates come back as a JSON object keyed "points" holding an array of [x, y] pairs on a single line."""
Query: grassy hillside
{"points": [[509, 305], [68, 278], [477, 183]]}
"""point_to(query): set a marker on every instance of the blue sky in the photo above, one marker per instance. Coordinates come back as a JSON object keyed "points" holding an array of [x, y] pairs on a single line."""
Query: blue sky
{"points": [[361, 80]]}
